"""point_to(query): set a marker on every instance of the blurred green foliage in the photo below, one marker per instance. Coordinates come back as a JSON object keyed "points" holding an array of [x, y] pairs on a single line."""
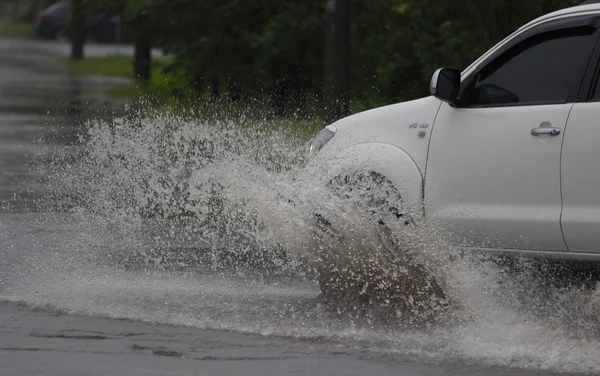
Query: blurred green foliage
{"points": [[116, 65], [272, 50], [9, 28]]}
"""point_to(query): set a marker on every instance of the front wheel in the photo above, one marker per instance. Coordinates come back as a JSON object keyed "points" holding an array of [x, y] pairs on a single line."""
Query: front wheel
{"points": [[365, 264]]}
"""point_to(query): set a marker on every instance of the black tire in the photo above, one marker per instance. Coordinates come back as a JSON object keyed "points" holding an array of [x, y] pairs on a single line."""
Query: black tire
{"points": [[388, 281]]}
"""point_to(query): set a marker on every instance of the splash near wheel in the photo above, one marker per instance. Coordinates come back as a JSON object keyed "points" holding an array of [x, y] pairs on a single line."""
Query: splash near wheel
{"points": [[367, 263]]}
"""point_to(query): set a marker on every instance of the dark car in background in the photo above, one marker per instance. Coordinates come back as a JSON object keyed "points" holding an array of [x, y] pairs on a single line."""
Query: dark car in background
{"points": [[52, 22]]}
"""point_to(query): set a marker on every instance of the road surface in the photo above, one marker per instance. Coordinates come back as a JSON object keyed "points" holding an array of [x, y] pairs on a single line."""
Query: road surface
{"points": [[63, 314]]}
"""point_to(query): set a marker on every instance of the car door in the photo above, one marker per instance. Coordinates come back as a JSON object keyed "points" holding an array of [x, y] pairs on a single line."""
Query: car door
{"points": [[580, 167], [493, 169]]}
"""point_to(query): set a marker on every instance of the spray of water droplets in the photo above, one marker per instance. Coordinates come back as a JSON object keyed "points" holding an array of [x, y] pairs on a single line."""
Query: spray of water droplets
{"points": [[166, 194]]}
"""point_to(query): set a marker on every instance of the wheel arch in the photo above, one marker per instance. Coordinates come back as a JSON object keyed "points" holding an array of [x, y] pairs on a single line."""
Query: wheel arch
{"points": [[387, 160]]}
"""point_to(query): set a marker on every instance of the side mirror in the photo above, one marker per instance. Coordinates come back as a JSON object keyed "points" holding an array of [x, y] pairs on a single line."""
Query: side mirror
{"points": [[445, 84]]}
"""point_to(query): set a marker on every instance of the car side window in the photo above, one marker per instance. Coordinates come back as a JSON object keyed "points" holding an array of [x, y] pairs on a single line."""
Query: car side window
{"points": [[539, 70], [595, 97]]}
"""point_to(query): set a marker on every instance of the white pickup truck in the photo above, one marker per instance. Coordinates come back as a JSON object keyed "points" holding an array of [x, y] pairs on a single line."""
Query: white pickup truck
{"points": [[505, 154]]}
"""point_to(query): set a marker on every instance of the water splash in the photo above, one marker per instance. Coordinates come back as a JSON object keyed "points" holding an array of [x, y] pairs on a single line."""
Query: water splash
{"points": [[170, 190], [155, 205], [176, 193]]}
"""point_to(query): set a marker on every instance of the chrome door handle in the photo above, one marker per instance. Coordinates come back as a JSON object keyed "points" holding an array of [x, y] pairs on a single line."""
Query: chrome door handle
{"points": [[545, 131]]}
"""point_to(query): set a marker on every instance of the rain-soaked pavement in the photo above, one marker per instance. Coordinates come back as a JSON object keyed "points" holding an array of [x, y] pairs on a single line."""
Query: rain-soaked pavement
{"points": [[58, 318], [36, 342]]}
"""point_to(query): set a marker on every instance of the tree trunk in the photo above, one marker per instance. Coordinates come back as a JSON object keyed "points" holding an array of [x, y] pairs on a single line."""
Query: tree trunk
{"points": [[337, 60], [142, 58], [15, 11], [77, 29], [4, 13]]}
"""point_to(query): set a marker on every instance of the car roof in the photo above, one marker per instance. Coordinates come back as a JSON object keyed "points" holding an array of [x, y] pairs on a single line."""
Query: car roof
{"points": [[56, 6], [587, 7]]}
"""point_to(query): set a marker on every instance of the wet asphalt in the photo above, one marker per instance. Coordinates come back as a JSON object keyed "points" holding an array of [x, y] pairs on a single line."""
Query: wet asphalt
{"points": [[37, 342], [40, 100]]}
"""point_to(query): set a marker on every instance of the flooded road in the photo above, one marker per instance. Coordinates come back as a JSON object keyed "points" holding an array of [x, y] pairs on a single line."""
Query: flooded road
{"points": [[80, 293], [37, 342]]}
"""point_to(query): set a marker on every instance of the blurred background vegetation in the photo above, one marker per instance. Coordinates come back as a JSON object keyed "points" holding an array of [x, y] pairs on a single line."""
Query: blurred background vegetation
{"points": [[270, 53]]}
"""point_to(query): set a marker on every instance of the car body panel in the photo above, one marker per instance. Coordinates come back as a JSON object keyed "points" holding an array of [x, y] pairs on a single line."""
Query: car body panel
{"points": [[391, 140], [494, 183], [384, 159], [54, 20], [580, 166], [406, 126]]}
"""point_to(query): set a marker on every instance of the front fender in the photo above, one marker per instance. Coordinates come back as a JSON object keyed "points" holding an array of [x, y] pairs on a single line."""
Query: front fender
{"points": [[387, 160]]}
